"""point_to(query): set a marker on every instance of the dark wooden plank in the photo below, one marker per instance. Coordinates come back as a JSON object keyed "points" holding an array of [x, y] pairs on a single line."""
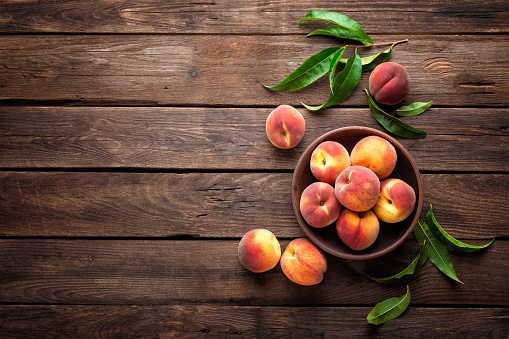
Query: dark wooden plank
{"points": [[459, 203], [129, 204], [228, 70], [224, 17], [469, 206], [167, 272], [190, 321], [472, 139]]}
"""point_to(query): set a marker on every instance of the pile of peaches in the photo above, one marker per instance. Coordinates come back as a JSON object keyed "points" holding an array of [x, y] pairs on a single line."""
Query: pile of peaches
{"points": [[355, 190]]}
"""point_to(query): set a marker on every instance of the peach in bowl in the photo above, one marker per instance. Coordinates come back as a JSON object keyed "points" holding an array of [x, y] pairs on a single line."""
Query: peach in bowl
{"points": [[392, 233]]}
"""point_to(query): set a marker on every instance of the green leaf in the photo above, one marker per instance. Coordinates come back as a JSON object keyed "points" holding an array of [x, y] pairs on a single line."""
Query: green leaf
{"points": [[393, 124], [369, 63], [344, 83], [415, 108], [389, 309], [338, 32], [412, 269], [341, 20], [310, 70], [333, 65], [423, 257], [436, 251], [448, 240]]}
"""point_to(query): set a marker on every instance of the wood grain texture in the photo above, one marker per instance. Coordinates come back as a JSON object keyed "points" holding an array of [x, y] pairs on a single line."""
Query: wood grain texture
{"points": [[253, 17], [197, 70], [152, 272], [213, 205], [147, 123], [191, 321], [468, 139]]}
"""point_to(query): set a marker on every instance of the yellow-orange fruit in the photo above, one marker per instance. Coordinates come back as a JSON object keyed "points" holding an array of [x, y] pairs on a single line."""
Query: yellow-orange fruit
{"points": [[303, 262], [375, 153], [358, 230], [395, 202], [259, 250], [328, 160]]}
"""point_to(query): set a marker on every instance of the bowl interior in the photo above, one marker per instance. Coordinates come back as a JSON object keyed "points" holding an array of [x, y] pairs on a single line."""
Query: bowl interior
{"points": [[391, 235]]}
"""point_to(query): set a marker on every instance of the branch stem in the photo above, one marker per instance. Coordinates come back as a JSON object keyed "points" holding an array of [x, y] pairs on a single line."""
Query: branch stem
{"points": [[383, 44]]}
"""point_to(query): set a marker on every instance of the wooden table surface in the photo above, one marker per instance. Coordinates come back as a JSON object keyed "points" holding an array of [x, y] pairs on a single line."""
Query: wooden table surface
{"points": [[133, 157]]}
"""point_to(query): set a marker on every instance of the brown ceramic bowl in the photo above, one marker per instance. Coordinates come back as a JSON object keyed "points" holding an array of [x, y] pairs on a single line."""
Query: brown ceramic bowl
{"points": [[391, 235]]}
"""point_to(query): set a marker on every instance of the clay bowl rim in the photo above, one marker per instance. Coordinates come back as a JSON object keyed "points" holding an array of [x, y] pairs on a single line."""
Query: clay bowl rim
{"points": [[304, 161]]}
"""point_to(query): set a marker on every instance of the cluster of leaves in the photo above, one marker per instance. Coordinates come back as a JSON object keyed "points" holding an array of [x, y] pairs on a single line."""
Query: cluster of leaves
{"points": [[435, 244], [330, 60], [395, 125]]}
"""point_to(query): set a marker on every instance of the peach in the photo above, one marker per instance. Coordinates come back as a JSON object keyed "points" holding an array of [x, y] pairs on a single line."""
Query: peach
{"points": [[303, 262], [259, 250], [389, 83], [358, 230], [375, 153], [318, 205], [285, 127], [396, 200], [357, 188], [328, 160]]}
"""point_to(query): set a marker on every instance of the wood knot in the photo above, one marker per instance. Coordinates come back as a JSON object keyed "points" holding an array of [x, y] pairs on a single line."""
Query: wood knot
{"points": [[440, 66]]}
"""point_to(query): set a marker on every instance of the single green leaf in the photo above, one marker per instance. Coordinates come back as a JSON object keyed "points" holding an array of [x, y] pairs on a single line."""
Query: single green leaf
{"points": [[412, 269], [333, 65], [393, 124], [415, 108], [424, 255], [338, 32], [341, 20], [422, 258], [448, 240], [310, 70], [389, 309], [369, 63], [436, 251], [344, 83]]}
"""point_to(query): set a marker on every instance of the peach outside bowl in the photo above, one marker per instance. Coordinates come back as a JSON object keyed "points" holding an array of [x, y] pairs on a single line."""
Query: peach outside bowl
{"points": [[391, 235]]}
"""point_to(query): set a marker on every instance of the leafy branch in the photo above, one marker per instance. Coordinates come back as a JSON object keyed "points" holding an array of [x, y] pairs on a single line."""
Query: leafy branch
{"points": [[329, 61]]}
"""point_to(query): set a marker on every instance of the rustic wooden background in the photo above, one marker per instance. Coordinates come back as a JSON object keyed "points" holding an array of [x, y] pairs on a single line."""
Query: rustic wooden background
{"points": [[133, 158]]}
